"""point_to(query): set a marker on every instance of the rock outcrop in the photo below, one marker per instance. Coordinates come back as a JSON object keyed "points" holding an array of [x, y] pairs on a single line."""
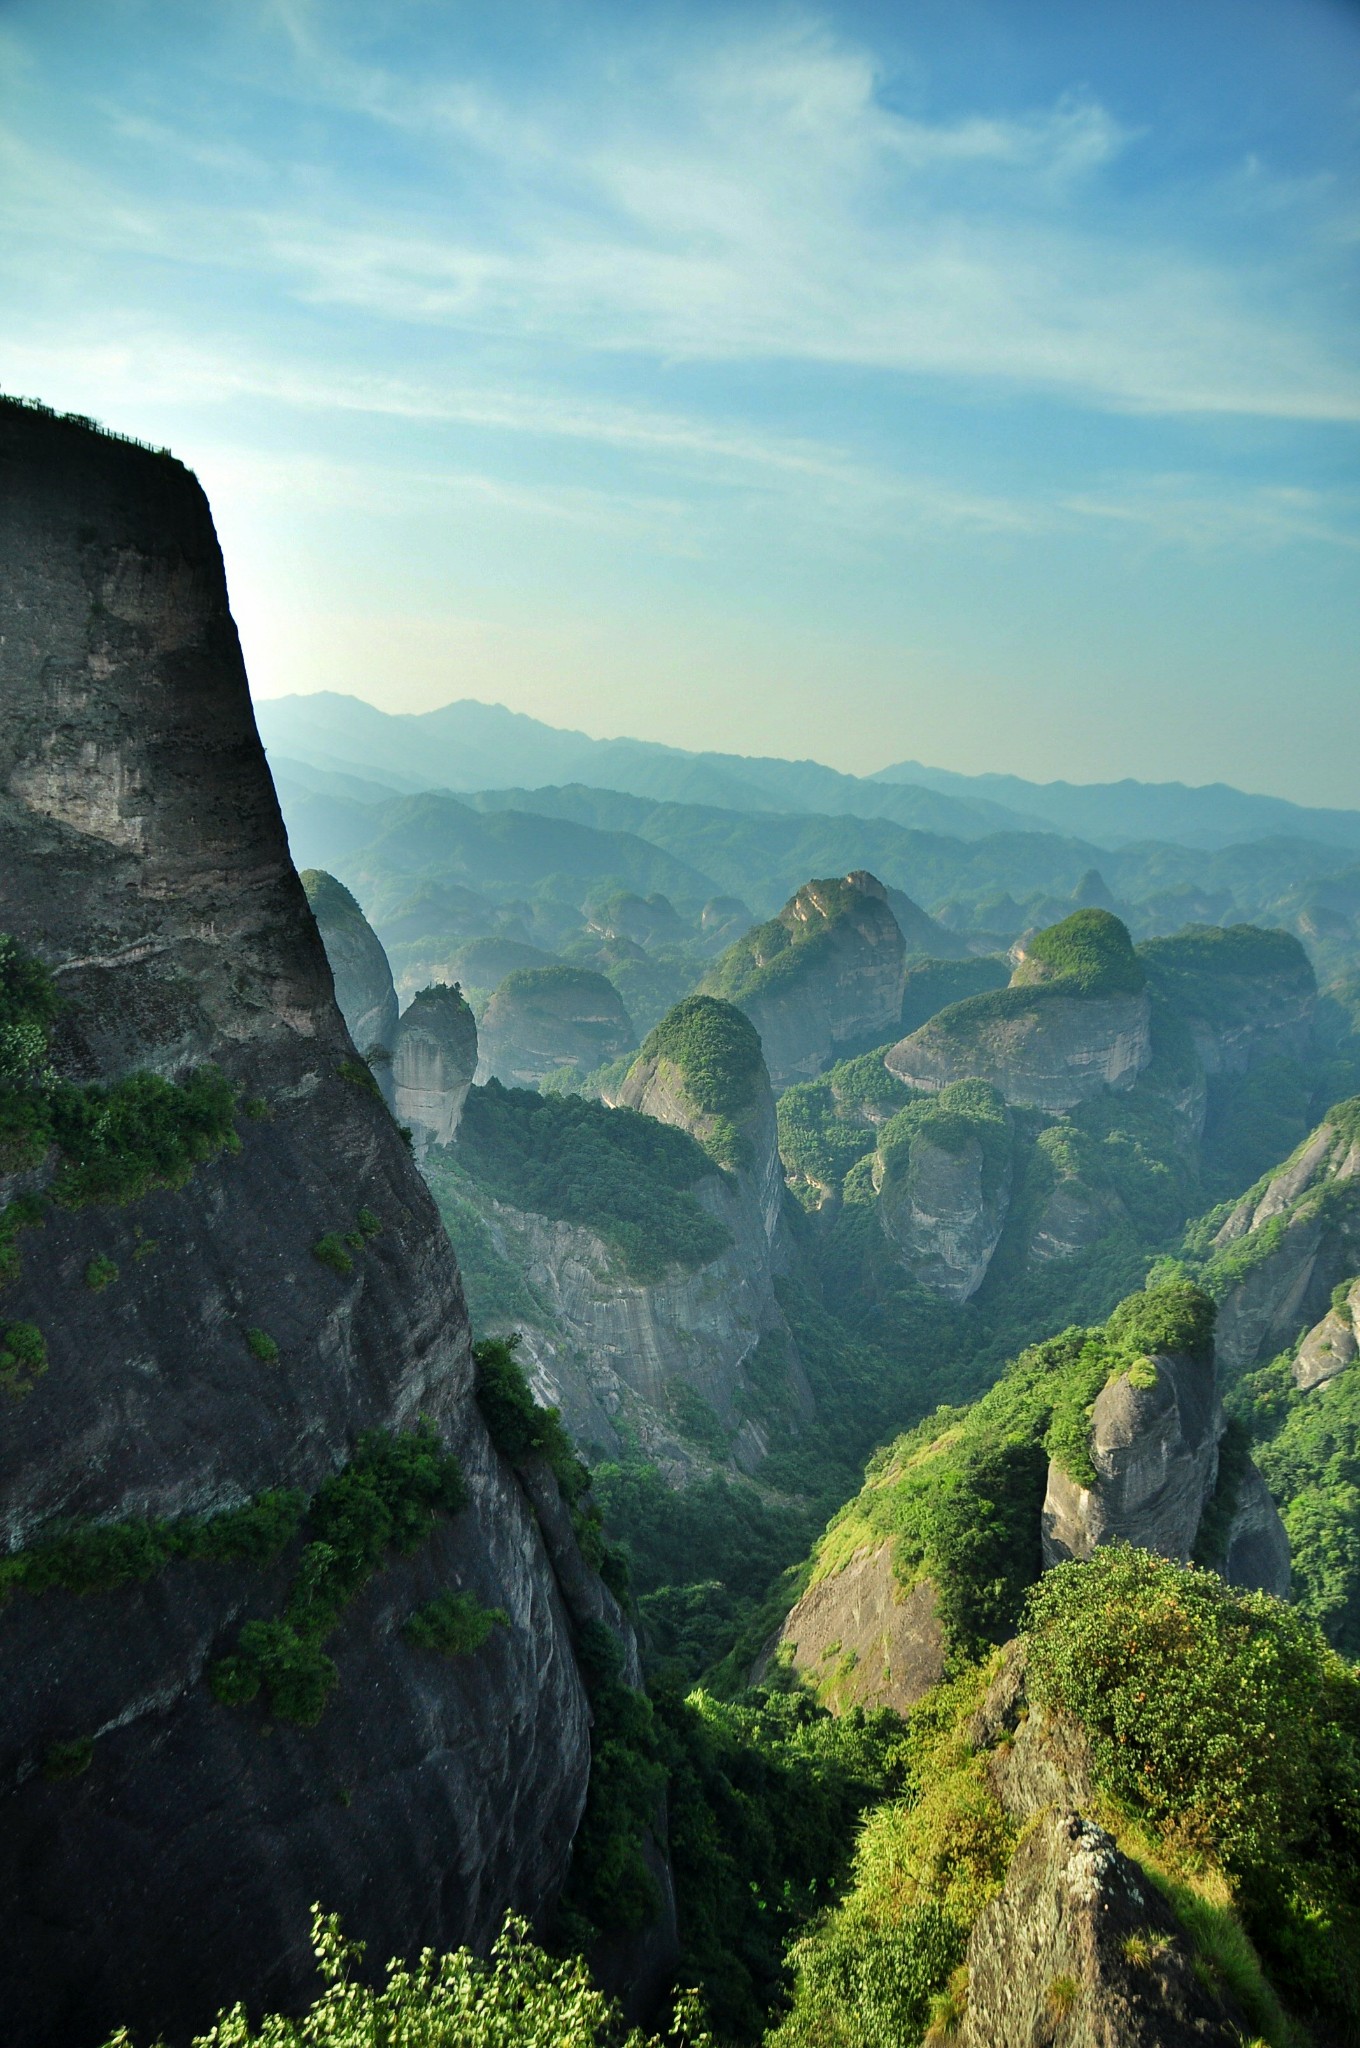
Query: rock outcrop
{"points": [[942, 1174], [1079, 1950], [358, 963], [1155, 1434], [1331, 1345], [544, 1019], [1154, 1446], [434, 1057], [143, 858], [1246, 994], [1275, 1260], [826, 974], [1057, 1036], [696, 1366], [859, 1638]]}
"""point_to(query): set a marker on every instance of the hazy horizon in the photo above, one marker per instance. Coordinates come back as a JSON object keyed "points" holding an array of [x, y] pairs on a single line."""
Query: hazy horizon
{"points": [[973, 384]]}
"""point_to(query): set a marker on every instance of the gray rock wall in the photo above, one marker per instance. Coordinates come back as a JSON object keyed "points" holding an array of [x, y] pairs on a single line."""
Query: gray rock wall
{"points": [[142, 854], [1048, 1054], [434, 1057]]}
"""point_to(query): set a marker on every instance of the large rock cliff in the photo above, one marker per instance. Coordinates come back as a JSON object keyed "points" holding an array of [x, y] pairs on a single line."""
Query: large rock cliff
{"points": [[942, 1173], [1076, 1019], [696, 1365], [827, 973], [434, 1057], [1273, 1261], [543, 1019], [1246, 994], [363, 978], [199, 1353]]}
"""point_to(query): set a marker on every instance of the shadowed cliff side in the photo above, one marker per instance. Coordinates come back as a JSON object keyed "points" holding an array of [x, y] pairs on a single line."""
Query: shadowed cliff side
{"points": [[224, 1334]]}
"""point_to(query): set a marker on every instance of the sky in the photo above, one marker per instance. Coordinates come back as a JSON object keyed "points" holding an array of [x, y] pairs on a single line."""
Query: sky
{"points": [[972, 383]]}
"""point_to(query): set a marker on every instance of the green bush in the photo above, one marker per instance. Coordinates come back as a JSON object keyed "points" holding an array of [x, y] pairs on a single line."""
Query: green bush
{"points": [[100, 1273], [613, 1171], [99, 1557], [65, 1760], [262, 1346], [454, 1625], [119, 1142], [23, 1358], [518, 1426], [331, 1251], [388, 1496], [520, 1995]]}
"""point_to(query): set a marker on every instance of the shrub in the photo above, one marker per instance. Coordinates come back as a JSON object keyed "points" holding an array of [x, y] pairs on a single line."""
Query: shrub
{"points": [[367, 1224], [330, 1251], [118, 1143], [1198, 1698], [100, 1273], [262, 1346], [520, 1995], [65, 1760], [517, 1424], [454, 1625], [386, 1497], [360, 1075], [23, 1358]]}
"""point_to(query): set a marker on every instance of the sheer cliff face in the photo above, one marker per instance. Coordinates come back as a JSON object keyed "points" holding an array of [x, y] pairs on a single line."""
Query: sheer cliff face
{"points": [[434, 1057], [1040, 1048], [363, 978], [668, 1365], [142, 856], [1287, 1244]]}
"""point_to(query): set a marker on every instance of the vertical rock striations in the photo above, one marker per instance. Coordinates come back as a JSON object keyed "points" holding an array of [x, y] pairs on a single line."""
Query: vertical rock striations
{"points": [[434, 1057], [156, 1844]]}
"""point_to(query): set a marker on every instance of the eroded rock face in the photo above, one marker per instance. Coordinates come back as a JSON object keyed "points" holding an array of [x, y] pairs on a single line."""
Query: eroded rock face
{"points": [[1155, 1451], [943, 1208], [1330, 1346], [1079, 1950], [1246, 994], [620, 1355], [542, 1019], [1292, 1241], [839, 983], [860, 1640], [1257, 1552], [1039, 1047], [142, 855], [434, 1057], [363, 979]]}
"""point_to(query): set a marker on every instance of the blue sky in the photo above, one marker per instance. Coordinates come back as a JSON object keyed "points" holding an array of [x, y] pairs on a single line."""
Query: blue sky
{"points": [[978, 383]]}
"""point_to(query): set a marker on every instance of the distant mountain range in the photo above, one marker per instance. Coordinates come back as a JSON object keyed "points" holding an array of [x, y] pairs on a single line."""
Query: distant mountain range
{"points": [[343, 747]]}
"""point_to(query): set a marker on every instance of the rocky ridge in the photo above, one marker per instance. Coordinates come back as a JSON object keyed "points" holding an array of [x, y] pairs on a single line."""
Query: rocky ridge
{"points": [[358, 963]]}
